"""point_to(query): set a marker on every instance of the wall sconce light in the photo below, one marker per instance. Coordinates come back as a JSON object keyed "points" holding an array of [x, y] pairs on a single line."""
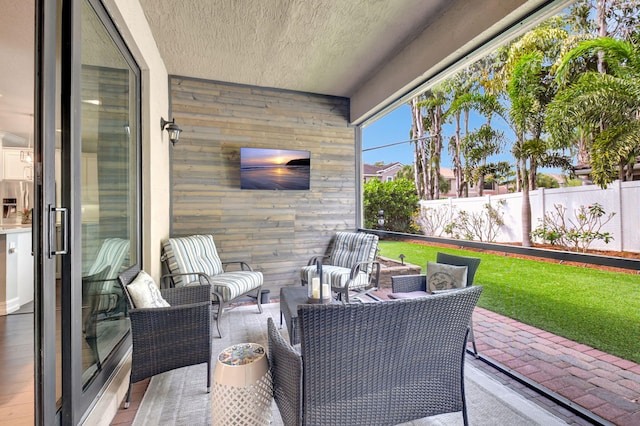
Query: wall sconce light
{"points": [[172, 128]]}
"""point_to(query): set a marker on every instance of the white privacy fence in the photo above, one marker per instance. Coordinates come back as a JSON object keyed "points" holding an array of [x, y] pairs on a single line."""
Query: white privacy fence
{"points": [[623, 198]]}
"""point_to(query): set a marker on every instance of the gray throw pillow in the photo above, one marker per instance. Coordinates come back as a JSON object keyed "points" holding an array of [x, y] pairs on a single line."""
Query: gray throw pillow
{"points": [[441, 276]]}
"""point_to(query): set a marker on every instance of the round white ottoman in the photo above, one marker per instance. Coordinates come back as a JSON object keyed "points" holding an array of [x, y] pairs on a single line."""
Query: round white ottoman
{"points": [[242, 390]]}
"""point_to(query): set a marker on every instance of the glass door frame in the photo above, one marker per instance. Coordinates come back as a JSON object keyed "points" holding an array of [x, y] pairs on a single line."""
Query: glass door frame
{"points": [[45, 104], [75, 401]]}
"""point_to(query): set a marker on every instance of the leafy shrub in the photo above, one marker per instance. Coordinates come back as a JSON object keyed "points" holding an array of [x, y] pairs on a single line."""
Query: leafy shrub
{"points": [[575, 233], [399, 201], [434, 220], [483, 225]]}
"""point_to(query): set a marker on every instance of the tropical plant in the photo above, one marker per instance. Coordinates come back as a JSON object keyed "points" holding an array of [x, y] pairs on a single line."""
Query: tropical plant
{"points": [[530, 85], [477, 146], [428, 116], [607, 105], [546, 181]]}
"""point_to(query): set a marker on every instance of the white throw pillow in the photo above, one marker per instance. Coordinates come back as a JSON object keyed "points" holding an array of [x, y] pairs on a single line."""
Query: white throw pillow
{"points": [[145, 293], [441, 276]]}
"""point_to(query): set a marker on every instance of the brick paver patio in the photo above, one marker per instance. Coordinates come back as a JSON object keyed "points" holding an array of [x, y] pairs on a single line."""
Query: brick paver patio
{"points": [[604, 384]]}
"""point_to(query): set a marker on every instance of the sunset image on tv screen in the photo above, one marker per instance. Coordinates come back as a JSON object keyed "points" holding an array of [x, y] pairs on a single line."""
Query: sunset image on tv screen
{"points": [[275, 169]]}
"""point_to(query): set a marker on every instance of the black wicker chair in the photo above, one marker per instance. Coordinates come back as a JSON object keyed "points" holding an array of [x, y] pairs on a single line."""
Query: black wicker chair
{"points": [[375, 363], [418, 283], [168, 338]]}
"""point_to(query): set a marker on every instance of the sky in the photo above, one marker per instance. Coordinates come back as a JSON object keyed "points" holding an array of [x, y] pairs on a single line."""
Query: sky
{"points": [[263, 157], [395, 127]]}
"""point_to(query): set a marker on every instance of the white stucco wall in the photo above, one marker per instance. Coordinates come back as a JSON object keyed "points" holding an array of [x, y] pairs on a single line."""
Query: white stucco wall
{"points": [[130, 20], [132, 24]]}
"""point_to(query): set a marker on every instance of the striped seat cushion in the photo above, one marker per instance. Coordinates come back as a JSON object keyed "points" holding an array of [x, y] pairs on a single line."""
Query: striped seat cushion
{"points": [[235, 283], [110, 260], [350, 248], [196, 253], [112, 254], [336, 276]]}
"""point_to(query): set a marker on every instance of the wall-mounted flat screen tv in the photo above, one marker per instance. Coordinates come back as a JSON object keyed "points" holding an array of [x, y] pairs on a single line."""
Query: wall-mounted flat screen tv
{"points": [[282, 169]]}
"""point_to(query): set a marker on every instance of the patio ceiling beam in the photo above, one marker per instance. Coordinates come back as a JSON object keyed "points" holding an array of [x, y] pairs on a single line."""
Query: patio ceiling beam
{"points": [[464, 32]]}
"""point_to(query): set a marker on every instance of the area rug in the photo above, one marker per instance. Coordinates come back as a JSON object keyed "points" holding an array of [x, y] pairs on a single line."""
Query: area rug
{"points": [[179, 397]]}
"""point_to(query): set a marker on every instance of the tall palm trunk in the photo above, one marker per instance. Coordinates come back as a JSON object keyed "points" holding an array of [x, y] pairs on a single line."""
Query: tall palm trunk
{"points": [[601, 22], [526, 205], [456, 157], [437, 124], [419, 153]]}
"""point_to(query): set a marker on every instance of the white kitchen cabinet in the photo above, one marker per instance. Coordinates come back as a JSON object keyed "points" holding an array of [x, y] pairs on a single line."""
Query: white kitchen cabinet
{"points": [[13, 166], [16, 267]]}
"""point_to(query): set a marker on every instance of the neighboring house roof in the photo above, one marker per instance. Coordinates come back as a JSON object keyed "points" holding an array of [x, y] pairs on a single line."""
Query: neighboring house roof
{"points": [[447, 173], [582, 170], [379, 170]]}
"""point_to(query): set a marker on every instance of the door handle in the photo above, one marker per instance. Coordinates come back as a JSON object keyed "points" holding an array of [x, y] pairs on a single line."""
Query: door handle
{"points": [[64, 217]]}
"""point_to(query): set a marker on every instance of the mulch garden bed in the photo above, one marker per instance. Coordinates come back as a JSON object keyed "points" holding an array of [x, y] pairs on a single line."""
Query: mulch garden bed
{"points": [[624, 254]]}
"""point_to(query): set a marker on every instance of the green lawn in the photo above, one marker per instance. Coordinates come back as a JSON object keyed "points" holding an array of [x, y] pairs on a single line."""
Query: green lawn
{"points": [[597, 308]]}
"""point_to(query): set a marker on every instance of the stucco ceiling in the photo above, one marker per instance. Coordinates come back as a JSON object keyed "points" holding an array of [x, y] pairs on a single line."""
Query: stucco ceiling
{"points": [[318, 46], [379, 48]]}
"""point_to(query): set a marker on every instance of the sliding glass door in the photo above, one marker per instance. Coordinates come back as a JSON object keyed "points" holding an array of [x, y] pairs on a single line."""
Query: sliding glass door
{"points": [[88, 204]]}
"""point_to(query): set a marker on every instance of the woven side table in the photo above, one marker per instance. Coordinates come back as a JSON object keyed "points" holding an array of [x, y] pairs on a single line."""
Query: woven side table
{"points": [[242, 390]]}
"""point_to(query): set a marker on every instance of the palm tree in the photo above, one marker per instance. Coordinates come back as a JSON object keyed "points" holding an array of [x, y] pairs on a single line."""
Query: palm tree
{"points": [[528, 92], [427, 113], [605, 105]]}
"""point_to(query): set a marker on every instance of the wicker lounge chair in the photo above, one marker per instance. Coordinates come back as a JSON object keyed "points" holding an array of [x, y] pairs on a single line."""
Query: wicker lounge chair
{"points": [[349, 264], [416, 285], [172, 337], [375, 363], [194, 260]]}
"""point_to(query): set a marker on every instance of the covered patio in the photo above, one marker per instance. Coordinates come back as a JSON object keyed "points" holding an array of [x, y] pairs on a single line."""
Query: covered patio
{"points": [[179, 397], [538, 356], [304, 76]]}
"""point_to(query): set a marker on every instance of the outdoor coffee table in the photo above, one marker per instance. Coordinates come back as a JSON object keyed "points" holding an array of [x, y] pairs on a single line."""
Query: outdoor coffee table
{"points": [[290, 298]]}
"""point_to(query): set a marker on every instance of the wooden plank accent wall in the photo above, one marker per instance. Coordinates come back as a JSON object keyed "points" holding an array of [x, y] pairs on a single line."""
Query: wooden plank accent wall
{"points": [[277, 232]]}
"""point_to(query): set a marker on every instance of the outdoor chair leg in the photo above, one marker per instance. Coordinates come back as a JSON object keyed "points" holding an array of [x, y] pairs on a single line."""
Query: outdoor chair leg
{"points": [[127, 401], [209, 376], [219, 316], [259, 299], [473, 340]]}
